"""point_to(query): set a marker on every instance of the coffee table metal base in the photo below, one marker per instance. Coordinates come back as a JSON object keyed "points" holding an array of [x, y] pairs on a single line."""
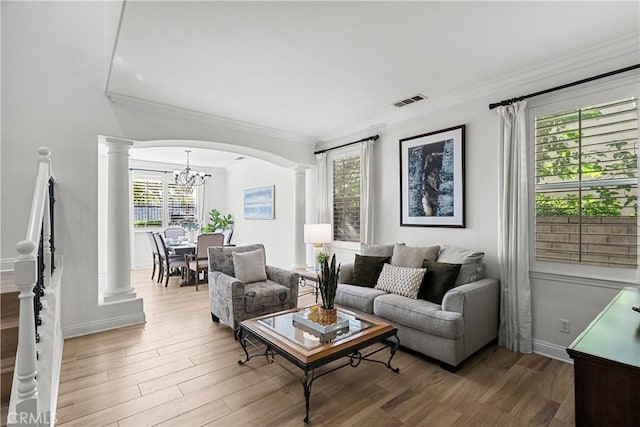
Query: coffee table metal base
{"points": [[355, 357]]}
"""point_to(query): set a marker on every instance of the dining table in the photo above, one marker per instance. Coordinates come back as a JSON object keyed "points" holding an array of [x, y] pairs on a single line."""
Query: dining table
{"points": [[181, 248]]}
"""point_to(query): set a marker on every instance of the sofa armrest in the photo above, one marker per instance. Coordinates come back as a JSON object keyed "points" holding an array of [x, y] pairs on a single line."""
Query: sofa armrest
{"points": [[286, 278], [479, 304], [346, 273], [225, 292]]}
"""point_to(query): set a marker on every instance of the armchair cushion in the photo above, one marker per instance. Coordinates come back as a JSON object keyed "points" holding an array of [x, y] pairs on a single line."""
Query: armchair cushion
{"points": [[265, 295], [250, 266]]}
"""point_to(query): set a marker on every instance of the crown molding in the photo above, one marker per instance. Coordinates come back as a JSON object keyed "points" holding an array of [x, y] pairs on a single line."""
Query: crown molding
{"points": [[127, 101], [602, 57]]}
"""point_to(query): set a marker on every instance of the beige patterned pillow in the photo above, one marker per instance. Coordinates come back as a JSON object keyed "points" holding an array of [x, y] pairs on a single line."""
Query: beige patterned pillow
{"points": [[403, 281]]}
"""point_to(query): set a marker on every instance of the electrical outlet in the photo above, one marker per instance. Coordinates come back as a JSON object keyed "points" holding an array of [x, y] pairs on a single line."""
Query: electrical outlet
{"points": [[565, 326]]}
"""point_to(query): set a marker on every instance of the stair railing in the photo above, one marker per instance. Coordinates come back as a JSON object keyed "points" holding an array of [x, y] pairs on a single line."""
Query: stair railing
{"points": [[33, 269]]}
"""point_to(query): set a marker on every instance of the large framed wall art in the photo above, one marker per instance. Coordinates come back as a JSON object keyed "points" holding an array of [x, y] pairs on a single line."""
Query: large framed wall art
{"points": [[258, 203], [432, 179]]}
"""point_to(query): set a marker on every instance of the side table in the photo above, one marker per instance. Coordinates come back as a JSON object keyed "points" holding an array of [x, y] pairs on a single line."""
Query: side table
{"points": [[309, 275]]}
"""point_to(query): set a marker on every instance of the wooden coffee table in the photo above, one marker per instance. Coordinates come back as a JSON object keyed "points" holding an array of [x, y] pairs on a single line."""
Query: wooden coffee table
{"points": [[306, 348]]}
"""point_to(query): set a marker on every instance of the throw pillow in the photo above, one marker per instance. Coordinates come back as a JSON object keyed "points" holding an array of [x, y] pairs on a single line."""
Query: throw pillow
{"points": [[366, 270], [250, 266], [438, 279], [403, 281], [377, 250], [472, 266], [410, 256]]}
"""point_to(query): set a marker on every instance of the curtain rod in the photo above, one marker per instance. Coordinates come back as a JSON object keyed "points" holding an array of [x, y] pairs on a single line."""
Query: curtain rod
{"points": [[374, 137], [564, 86]]}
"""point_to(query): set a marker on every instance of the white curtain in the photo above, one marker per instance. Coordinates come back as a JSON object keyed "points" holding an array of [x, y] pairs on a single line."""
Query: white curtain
{"points": [[322, 186], [513, 231], [366, 192]]}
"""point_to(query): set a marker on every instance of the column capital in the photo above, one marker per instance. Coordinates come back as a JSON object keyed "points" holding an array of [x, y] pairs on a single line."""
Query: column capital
{"points": [[299, 169], [120, 146]]}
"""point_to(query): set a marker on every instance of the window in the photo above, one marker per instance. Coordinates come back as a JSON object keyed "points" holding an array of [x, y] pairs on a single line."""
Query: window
{"points": [[158, 202], [181, 204], [346, 199], [586, 185], [147, 203]]}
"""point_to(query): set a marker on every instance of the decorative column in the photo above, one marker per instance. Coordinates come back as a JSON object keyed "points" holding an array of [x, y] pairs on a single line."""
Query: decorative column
{"points": [[299, 255], [118, 244]]}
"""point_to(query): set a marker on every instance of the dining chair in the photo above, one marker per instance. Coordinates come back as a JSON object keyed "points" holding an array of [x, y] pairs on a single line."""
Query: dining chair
{"points": [[174, 232], [156, 254], [198, 262], [168, 261]]}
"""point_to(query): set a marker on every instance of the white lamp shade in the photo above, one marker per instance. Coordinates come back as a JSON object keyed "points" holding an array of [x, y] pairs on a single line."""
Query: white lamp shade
{"points": [[317, 233]]}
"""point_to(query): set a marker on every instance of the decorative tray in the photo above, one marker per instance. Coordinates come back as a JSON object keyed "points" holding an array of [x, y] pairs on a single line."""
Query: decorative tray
{"points": [[302, 318]]}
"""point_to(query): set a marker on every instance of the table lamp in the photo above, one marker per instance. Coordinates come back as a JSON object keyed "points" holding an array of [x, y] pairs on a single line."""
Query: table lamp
{"points": [[317, 234]]}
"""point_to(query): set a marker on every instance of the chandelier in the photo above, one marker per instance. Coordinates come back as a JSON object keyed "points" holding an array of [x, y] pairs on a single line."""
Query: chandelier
{"points": [[188, 178]]}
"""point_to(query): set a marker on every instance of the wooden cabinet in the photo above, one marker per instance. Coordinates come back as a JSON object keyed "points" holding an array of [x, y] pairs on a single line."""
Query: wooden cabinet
{"points": [[606, 358]]}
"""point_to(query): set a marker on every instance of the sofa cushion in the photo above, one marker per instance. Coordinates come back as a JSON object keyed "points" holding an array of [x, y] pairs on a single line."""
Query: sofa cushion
{"points": [[250, 266], [438, 279], [400, 280], [419, 314], [412, 256], [260, 296], [377, 250], [366, 270], [357, 297], [472, 267]]}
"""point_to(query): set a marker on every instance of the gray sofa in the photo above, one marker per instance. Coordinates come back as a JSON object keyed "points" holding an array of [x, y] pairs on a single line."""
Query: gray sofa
{"points": [[465, 321]]}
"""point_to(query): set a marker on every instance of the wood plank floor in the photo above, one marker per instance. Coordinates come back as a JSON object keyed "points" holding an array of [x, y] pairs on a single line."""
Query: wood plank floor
{"points": [[179, 369]]}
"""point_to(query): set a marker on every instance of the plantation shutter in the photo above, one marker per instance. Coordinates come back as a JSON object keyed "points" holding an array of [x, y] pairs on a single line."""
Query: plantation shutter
{"points": [[181, 204], [586, 185], [346, 199], [147, 202]]}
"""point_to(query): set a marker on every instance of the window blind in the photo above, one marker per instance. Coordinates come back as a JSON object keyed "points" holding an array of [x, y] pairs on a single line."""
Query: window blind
{"points": [[346, 199], [181, 204], [147, 202], [586, 185]]}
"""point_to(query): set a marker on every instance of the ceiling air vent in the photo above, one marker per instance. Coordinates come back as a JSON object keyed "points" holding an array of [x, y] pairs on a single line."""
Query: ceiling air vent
{"points": [[404, 102]]}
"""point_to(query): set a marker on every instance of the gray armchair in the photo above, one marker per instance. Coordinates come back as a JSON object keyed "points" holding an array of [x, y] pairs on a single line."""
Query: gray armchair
{"points": [[233, 300]]}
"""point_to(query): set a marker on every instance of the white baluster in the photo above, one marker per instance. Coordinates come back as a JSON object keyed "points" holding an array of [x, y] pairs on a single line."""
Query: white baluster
{"points": [[25, 277]]}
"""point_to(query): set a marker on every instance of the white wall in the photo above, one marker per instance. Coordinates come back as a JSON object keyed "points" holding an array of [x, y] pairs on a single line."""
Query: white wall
{"points": [[578, 300], [276, 234], [55, 59]]}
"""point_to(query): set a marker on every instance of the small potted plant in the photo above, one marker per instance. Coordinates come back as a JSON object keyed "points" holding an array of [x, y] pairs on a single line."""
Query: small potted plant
{"points": [[328, 283], [218, 221], [321, 258]]}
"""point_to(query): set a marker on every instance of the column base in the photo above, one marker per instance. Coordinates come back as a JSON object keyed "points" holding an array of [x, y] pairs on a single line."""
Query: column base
{"points": [[118, 295]]}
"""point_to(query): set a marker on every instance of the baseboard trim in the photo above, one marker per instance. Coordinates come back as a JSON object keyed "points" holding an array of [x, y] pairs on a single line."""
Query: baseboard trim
{"points": [[7, 264], [103, 325], [551, 350]]}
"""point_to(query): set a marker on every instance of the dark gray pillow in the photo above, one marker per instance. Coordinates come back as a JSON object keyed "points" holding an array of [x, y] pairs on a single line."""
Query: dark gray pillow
{"points": [[438, 279], [366, 270]]}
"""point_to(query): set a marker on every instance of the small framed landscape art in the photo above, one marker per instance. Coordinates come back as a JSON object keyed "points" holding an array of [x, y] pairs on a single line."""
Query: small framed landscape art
{"points": [[432, 179], [258, 203]]}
